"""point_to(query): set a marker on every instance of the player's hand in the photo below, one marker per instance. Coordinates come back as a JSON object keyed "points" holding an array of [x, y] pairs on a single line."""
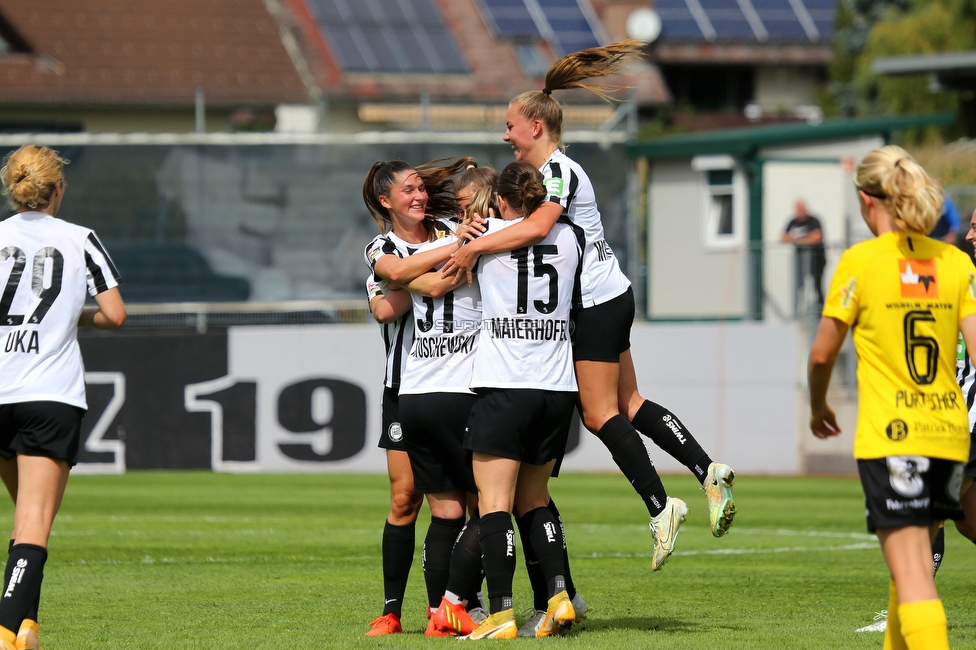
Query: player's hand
{"points": [[823, 423], [470, 229], [461, 262]]}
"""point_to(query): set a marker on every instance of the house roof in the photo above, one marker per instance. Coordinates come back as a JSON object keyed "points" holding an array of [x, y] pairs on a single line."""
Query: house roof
{"points": [[123, 53], [493, 74], [746, 141]]}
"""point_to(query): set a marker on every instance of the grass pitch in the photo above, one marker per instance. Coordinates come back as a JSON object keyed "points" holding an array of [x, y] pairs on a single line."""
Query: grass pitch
{"points": [[201, 560]]}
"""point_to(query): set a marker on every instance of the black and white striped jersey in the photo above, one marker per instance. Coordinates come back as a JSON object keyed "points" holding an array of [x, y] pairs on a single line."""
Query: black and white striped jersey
{"points": [[445, 338], [397, 336], [568, 185], [47, 266], [526, 297], [966, 376]]}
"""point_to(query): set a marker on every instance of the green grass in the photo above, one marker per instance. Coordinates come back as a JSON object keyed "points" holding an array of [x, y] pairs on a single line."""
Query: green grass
{"points": [[200, 560]]}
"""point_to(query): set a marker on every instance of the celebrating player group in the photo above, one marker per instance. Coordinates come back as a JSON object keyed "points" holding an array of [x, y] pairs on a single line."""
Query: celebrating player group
{"points": [[502, 309]]}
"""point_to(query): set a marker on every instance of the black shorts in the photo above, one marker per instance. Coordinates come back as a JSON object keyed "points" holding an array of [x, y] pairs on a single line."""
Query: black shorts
{"points": [[433, 428], [50, 429], [970, 469], [910, 490], [527, 425], [392, 436], [602, 332]]}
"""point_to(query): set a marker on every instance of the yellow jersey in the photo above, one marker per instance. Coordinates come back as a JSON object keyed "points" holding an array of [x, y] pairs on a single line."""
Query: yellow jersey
{"points": [[904, 296]]}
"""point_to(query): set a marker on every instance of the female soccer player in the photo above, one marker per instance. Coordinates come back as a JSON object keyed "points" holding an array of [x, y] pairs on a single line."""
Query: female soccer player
{"points": [[435, 401], [604, 312], [523, 374], [397, 196], [907, 297], [49, 265], [390, 308]]}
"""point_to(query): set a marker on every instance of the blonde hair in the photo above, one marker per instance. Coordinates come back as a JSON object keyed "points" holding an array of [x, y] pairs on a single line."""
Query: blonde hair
{"points": [[30, 175], [907, 192], [570, 72]]}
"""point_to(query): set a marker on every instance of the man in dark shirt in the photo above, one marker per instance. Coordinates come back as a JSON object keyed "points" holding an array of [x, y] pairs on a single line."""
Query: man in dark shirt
{"points": [[804, 231]]}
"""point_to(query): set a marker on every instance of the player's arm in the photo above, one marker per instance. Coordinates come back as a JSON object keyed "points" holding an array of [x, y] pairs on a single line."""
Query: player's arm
{"points": [[433, 284], [389, 307], [108, 315], [826, 347], [401, 270], [525, 233]]}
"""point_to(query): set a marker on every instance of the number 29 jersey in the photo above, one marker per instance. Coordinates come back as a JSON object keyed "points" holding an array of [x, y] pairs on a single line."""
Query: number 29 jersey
{"points": [[47, 265], [526, 297], [905, 295]]}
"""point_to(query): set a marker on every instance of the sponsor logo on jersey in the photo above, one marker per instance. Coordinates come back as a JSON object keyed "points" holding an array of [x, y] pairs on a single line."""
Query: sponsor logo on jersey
{"points": [[897, 430], [905, 474], [918, 279], [395, 432], [972, 285], [556, 187], [847, 293]]}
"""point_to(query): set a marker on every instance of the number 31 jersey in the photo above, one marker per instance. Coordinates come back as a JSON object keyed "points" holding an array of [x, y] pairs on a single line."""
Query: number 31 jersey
{"points": [[526, 297], [46, 265], [905, 295]]}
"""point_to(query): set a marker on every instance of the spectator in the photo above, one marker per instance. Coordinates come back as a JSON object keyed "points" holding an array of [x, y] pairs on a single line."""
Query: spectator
{"points": [[804, 232]]}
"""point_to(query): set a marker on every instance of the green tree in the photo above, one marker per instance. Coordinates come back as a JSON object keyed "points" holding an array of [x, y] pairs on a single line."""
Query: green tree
{"points": [[868, 29]]}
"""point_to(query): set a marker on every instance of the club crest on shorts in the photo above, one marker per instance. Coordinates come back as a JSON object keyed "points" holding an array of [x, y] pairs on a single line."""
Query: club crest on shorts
{"points": [[905, 474], [954, 482], [395, 432], [897, 430]]}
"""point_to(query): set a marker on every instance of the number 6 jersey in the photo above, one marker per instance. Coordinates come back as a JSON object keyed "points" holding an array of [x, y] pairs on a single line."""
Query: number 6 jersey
{"points": [[46, 265], [526, 296], [904, 296]]}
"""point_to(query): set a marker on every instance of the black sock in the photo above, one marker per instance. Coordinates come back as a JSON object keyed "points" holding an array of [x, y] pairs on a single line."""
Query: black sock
{"points": [[398, 547], [570, 586], [466, 569], [938, 550], [438, 545], [546, 536], [26, 567], [498, 555], [630, 455], [660, 425], [536, 578]]}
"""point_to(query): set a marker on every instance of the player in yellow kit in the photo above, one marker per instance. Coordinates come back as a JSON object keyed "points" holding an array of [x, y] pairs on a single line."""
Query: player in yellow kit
{"points": [[906, 297]]}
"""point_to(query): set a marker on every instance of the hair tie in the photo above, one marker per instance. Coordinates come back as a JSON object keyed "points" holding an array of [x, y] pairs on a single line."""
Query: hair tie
{"points": [[470, 167], [546, 91]]}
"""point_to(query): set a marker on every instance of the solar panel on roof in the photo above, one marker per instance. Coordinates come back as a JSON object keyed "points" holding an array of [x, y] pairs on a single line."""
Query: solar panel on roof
{"points": [[563, 23], [796, 21], [388, 36], [510, 19]]}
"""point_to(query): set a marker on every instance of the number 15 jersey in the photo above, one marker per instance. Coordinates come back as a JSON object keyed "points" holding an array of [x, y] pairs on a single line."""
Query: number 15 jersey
{"points": [[46, 265], [905, 295], [526, 296]]}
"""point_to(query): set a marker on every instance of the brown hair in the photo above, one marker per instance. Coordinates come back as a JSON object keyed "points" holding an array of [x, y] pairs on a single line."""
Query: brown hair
{"points": [[477, 176], [30, 175], [570, 72], [908, 193], [438, 181], [520, 184]]}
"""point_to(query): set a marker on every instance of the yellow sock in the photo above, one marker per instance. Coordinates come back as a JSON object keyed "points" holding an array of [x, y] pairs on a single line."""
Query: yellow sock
{"points": [[923, 624], [893, 639]]}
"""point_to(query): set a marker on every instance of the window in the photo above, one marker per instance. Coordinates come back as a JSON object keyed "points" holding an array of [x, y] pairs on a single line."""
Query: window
{"points": [[721, 210]]}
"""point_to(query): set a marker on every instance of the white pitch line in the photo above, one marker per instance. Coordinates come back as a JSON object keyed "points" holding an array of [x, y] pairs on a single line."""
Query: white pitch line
{"points": [[739, 551]]}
